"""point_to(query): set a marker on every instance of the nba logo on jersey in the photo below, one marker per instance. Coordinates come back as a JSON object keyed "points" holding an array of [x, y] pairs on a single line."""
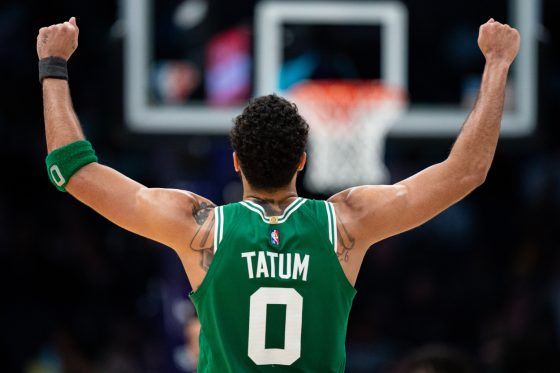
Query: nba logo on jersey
{"points": [[274, 237]]}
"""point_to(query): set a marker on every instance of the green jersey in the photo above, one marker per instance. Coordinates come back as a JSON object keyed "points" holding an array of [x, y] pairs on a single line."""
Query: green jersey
{"points": [[275, 297]]}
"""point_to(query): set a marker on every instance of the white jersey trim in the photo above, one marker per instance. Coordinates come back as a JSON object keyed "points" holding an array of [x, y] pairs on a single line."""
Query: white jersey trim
{"points": [[334, 228], [274, 219], [221, 224], [329, 219], [216, 227]]}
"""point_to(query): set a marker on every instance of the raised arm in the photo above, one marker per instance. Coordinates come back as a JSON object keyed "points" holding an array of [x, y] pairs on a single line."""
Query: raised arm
{"points": [[178, 219], [372, 213]]}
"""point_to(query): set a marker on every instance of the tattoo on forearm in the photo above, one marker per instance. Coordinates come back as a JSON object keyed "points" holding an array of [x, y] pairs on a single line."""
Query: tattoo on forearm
{"points": [[202, 242], [346, 241]]}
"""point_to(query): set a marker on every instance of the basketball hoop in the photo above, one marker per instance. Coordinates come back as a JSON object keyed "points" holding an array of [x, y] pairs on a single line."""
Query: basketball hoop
{"points": [[348, 121]]}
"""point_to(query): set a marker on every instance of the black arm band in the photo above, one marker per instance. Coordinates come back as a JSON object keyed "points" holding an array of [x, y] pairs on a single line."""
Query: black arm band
{"points": [[53, 67]]}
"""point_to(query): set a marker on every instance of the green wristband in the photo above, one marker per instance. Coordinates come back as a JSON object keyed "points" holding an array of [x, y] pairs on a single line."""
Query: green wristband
{"points": [[65, 161]]}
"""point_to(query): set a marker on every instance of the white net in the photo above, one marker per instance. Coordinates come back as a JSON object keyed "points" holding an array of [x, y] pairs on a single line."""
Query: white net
{"points": [[348, 123]]}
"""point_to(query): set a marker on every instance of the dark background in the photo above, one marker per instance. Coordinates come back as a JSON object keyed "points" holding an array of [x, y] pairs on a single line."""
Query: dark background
{"points": [[81, 295]]}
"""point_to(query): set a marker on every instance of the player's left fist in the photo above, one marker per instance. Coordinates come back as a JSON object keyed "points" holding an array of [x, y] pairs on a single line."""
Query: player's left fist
{"points": [[60, 40]]}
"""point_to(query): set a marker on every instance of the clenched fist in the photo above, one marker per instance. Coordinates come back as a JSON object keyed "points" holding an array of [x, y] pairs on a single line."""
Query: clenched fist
{"points": [[498, 42], [60, 40]]}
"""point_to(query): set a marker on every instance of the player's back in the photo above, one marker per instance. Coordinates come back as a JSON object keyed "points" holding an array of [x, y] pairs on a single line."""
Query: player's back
{"points": [[275, 297]]}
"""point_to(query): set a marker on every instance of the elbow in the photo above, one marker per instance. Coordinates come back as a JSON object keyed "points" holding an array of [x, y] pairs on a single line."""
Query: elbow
{"points": [[480, 173], [142, 196], [471, 174], [479, 180], [475, 178]]}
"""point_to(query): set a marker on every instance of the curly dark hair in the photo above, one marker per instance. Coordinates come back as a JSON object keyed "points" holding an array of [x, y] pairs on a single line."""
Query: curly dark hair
{"points": [[269, 138]]}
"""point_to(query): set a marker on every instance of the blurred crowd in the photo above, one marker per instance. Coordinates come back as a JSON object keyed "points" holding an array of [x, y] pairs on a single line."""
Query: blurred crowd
{"points": [[475, 290]]}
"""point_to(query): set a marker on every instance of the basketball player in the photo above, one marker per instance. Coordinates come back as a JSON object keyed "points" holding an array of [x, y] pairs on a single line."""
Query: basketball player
{"points": [[272, 275]]}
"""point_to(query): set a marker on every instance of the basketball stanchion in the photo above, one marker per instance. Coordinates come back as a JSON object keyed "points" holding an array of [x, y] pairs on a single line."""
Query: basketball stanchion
{"points": [[349, 121]]}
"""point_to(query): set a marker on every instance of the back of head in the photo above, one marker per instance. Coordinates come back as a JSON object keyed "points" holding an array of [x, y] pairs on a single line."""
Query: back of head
{"points": [[269, 138]]}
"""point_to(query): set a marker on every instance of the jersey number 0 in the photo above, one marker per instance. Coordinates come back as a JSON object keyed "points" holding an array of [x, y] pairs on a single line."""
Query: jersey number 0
{"points": [[257, 326]]}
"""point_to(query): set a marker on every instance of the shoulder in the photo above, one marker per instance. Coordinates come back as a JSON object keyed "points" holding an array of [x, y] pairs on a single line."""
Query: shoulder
{"points": [[349, 203], [177, 212], [179, 199], [197, 210], [363, 209], [363, 199]]}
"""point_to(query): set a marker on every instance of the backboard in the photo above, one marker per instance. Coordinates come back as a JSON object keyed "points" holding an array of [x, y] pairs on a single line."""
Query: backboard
{"points": [[428, 48]]}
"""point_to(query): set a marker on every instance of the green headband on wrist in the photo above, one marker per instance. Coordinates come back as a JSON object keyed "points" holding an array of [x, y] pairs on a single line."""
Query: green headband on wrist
{"points": [[64, 162]]}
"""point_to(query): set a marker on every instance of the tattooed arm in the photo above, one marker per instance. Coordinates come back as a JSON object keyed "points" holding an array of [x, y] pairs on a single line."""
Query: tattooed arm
{"points": [[372, 213], [172, 217], [181, 220]]}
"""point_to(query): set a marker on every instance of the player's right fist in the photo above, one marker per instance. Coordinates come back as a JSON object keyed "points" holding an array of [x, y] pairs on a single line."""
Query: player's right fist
{"points": [[498, 42], [60, 40]]}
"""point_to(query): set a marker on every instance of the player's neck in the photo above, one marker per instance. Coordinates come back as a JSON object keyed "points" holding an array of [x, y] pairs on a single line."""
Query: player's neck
{"points": [[277, 196], [273, 201]]}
